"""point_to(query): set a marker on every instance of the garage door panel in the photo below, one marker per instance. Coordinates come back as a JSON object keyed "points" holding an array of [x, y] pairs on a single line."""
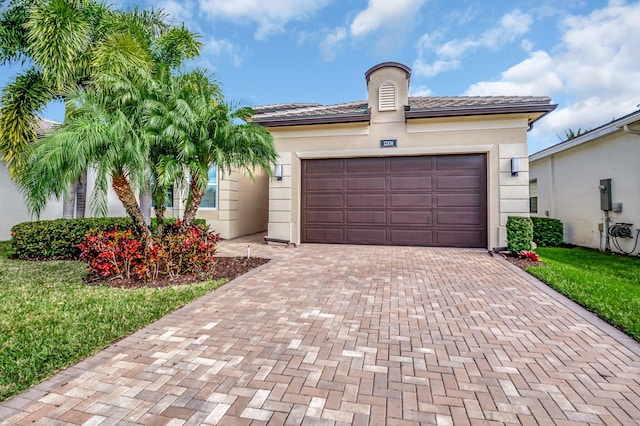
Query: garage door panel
{"points": [[365, 165], [324, 184], [364, 217], [459, 218], [323, 235], [411, 237], [450, 163], [424, 201], [458, 200], [323, 200], [366, 200], [367, 183], [410, 218], [410, 200], [410, 182], [376, 236], [324, 166], [406, 164], [457, 182], [459, 238], [324, 217]]}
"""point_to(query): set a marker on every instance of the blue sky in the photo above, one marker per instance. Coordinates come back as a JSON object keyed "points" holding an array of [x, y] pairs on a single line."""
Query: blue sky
{"points": [[581, 53]]}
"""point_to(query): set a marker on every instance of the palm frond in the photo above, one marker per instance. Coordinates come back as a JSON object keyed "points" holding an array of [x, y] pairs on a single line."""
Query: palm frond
{"points": [[20, 102]]}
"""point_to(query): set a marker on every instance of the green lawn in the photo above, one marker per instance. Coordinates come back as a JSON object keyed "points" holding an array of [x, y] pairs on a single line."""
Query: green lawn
{"points": [[49, 319], [604, 283]]}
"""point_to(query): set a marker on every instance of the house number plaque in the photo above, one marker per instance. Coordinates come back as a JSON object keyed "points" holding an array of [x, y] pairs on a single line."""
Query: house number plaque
{"points": [[388, 143]]}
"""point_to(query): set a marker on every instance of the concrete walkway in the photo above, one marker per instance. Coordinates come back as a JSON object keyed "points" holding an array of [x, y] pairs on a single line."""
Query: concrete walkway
{"points": [[356, 335]]}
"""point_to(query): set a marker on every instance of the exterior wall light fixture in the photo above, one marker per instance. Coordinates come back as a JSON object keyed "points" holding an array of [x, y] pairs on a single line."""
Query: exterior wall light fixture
{"points": [[279, 171], [515, 166]]}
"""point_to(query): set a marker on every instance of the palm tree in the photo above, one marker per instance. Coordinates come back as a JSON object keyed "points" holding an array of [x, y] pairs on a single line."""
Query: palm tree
{"points": [[69, 43], [196, 130], [101, 131]]}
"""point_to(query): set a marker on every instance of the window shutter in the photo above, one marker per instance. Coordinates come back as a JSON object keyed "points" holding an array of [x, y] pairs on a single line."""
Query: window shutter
{"points": [[387, 97]]}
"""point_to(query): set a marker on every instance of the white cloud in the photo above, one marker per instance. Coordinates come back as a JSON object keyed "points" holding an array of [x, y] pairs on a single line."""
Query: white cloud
{"points": [[595, 66], [220, 47], [270, 16], [332, 43], [179, 11], [420, 91], [533, 76], [384, 13], [512, 25], [424, 69]]}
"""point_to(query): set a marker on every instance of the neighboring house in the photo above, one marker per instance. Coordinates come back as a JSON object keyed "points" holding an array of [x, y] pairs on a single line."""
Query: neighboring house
{"points": [[565, 182], [400, 170]]}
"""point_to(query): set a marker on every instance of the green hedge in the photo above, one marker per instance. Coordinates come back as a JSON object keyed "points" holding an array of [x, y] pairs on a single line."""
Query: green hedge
{"points": [[547, 231], [519, 233], [59, 238]]}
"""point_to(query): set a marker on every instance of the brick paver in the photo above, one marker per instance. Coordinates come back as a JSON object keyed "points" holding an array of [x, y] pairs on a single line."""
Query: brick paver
{"points": [[332, 335]]}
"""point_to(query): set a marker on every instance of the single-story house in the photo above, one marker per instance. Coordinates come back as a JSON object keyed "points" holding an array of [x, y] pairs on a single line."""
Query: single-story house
{"points": [[390, 170], [566, 179], [400, 170]]}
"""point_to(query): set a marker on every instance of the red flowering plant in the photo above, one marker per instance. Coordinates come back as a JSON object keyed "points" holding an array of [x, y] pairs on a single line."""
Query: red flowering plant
{"points": [[113, 254], [528, 254], [118, 254], [192, 251]]}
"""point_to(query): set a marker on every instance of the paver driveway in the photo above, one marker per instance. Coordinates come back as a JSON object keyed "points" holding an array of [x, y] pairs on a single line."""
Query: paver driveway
{"points": [[343, 334]]}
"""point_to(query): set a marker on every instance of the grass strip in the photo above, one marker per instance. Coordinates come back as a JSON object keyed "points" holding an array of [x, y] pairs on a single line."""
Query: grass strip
{"points": [[49, 319], [604, 283]]}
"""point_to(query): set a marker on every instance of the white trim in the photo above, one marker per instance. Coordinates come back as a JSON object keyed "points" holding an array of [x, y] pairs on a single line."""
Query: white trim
{"points": [[605, 130], [438, 150]]}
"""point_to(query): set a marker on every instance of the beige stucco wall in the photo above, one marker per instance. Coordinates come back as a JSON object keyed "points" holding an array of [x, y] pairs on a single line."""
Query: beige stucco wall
{"points": [[242, 205], [500, 137], [568, 186]]}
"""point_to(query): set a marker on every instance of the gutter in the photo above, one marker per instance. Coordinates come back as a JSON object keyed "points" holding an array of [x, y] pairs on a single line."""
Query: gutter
{"points": [[627, 129]]}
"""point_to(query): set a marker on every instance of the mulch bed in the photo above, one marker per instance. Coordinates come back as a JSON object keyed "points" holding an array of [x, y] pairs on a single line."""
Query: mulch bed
{"points": [[225, 267], [522, 262]]}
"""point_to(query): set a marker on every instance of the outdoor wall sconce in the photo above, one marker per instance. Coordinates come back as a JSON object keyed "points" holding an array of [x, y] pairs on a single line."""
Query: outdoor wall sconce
{"points": [[279, 171], [515, 166]]}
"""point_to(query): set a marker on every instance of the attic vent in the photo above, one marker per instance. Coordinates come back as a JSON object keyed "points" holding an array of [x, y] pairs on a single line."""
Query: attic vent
{"points": [[387, 97]]}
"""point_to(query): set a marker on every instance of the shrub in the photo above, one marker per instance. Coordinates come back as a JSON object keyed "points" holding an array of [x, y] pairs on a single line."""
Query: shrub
{"points": [[547, 231], [519, 234], [117, 254], [113, 254], [60, 238]]}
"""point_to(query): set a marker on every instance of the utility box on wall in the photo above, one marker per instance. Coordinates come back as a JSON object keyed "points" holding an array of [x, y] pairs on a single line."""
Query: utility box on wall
{"points": [[605, 194]]}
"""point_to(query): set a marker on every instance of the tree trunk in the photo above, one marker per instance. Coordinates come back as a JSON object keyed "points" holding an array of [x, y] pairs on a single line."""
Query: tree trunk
{"points": [[69, 202], [122, 188], [145, 205], [81, 195], [193, 202], [160, 209]]}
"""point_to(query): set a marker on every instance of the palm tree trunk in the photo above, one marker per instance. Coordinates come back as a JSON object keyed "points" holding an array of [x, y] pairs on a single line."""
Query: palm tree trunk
{"points": [[123, 190], [193, 202], [145, 204], [160, 209], [81, 195], [69, 202]]}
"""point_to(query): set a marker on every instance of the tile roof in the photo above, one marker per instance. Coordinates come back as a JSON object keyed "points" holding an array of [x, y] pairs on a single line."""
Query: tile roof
{"points": [[419, 106]]}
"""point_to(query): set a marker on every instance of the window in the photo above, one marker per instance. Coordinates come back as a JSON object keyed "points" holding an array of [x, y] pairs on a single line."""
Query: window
{"points": [[533, 196], [210, 199], [168, 202]]}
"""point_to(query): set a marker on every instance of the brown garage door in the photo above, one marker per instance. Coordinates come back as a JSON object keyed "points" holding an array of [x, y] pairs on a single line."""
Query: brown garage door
{"points": [[438, 201]]}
